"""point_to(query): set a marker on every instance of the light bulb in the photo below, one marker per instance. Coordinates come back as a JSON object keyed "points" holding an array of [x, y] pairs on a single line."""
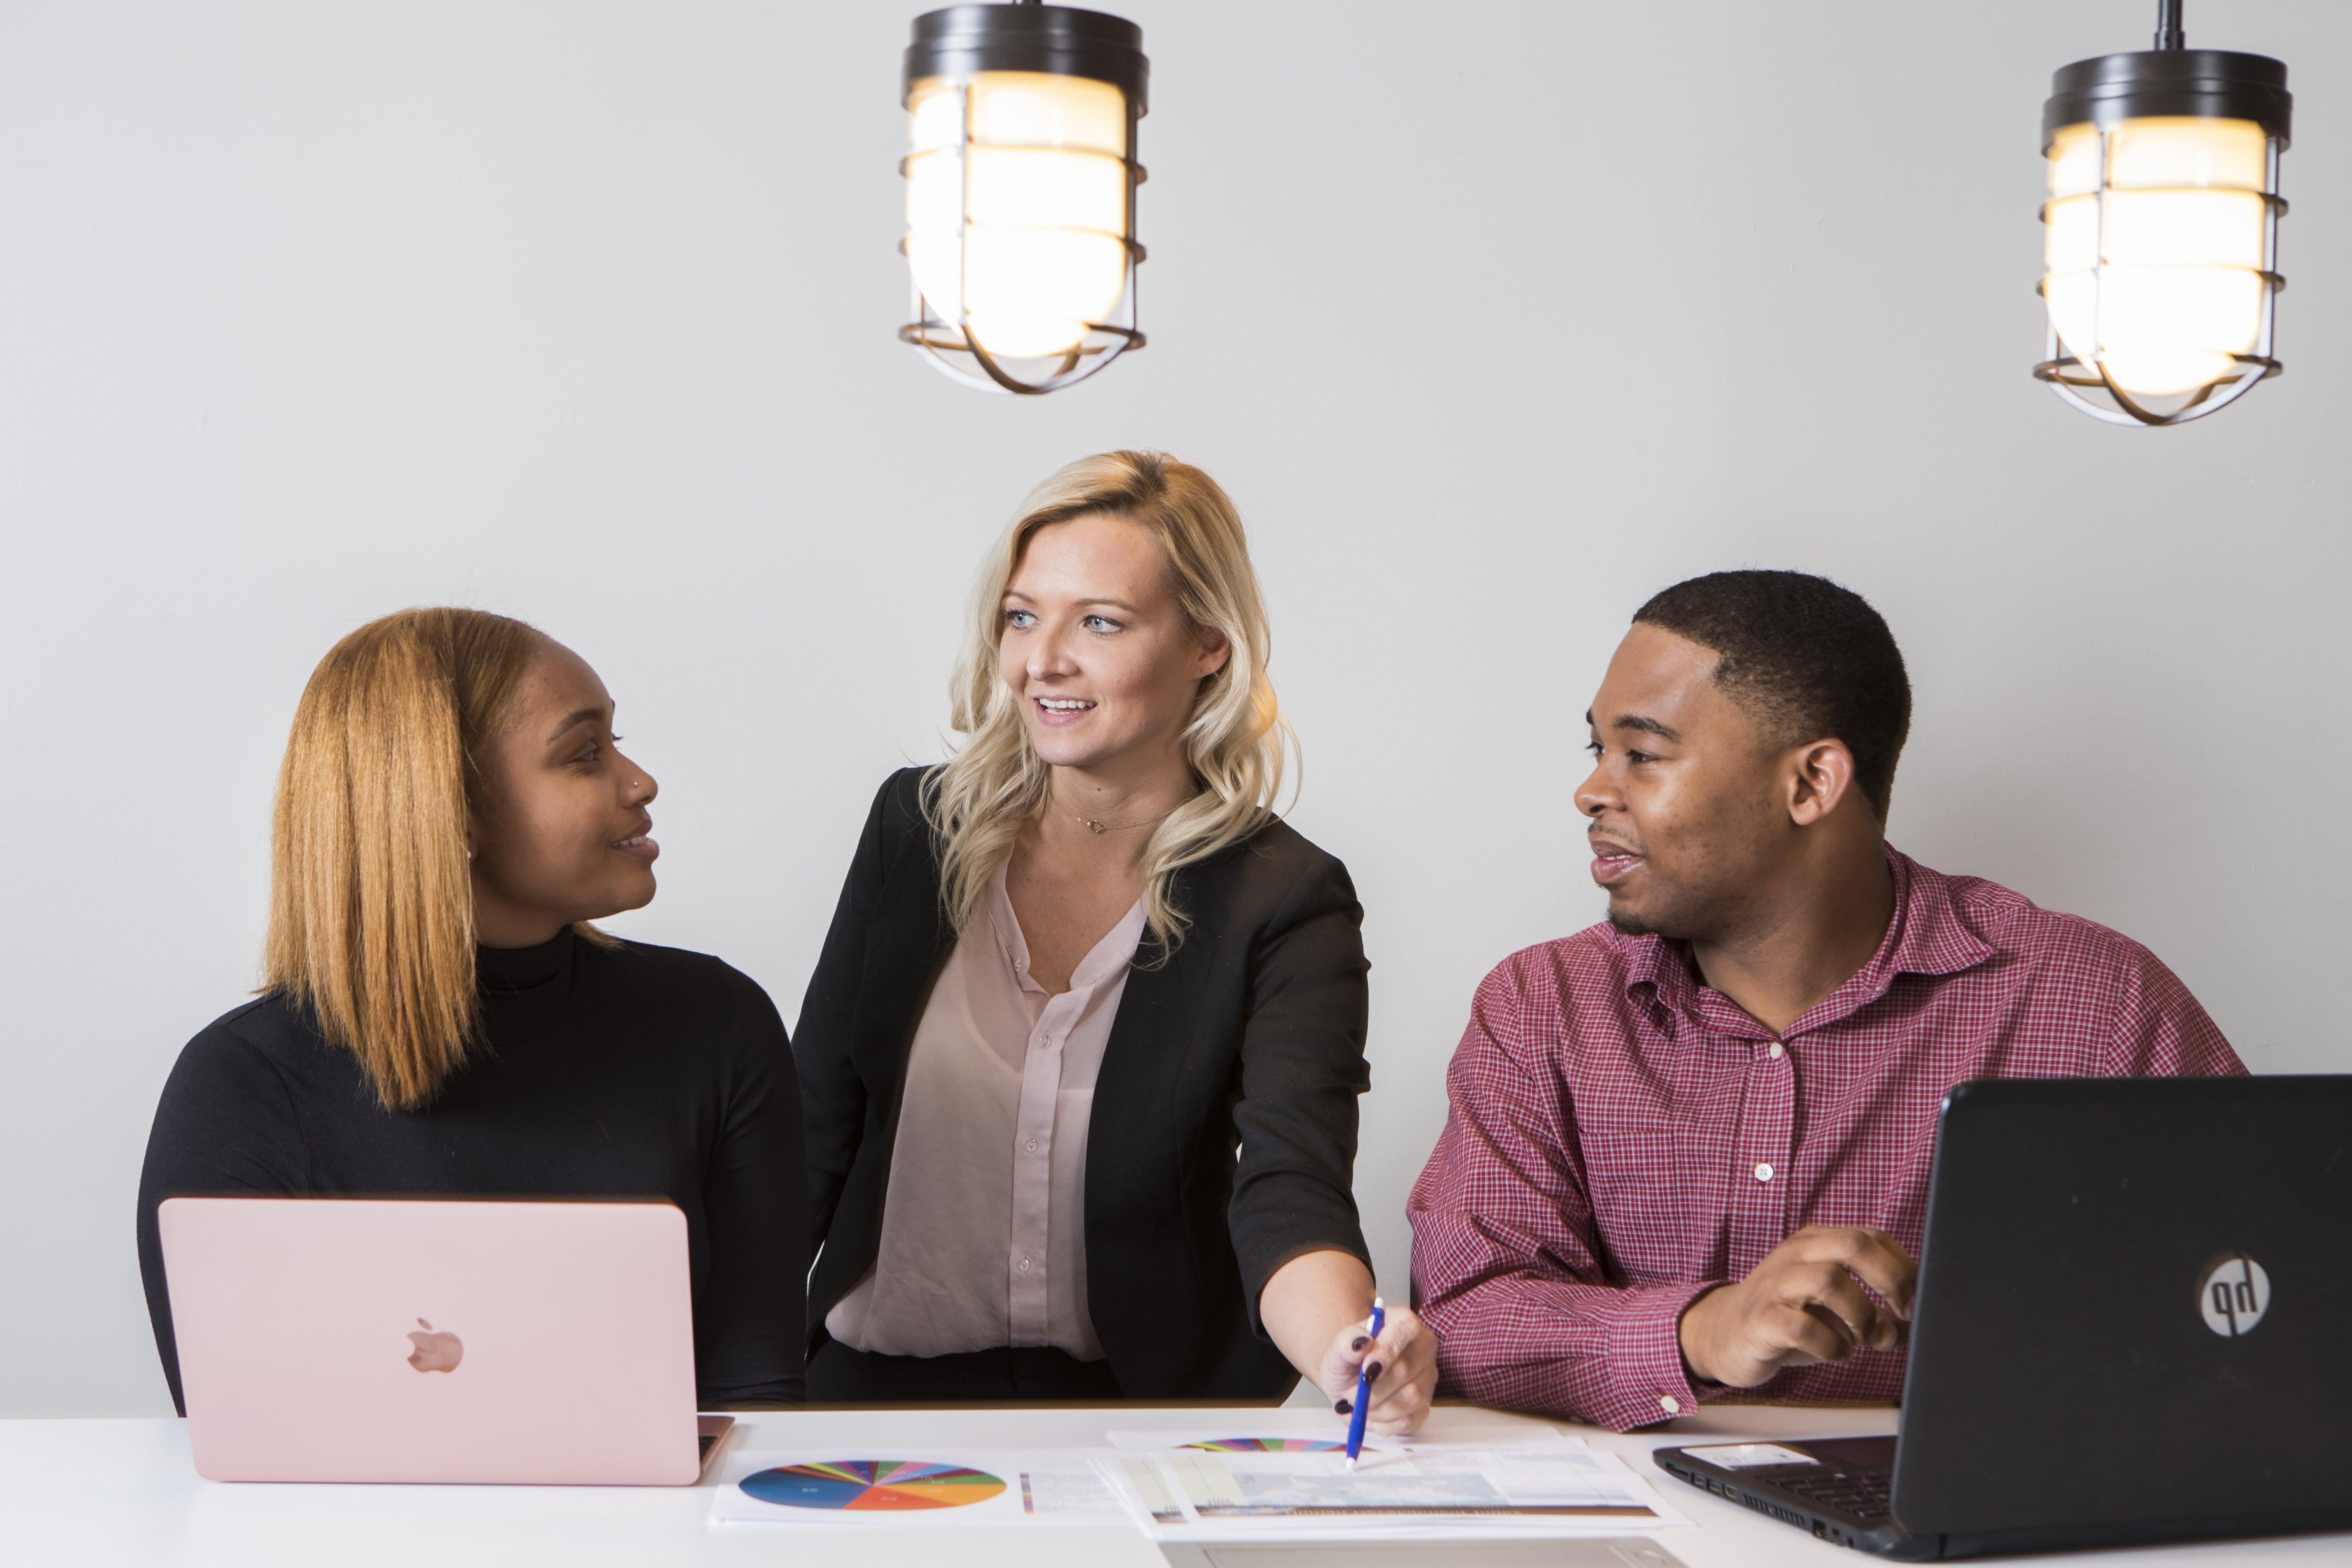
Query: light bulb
{"points": [[1016, 206], [2157, 229]]}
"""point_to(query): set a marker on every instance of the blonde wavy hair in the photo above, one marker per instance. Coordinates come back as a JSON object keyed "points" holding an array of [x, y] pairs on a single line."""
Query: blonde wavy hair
{"points": [[371, 903], [980, 800]]}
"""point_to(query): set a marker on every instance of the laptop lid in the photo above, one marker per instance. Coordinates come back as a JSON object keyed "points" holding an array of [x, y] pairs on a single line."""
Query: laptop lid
{"points": [[382, 1340], [2130, 1306]]}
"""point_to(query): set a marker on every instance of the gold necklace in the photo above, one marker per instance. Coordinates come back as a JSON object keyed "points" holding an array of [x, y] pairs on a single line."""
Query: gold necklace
{"points": [[1094, 827]]}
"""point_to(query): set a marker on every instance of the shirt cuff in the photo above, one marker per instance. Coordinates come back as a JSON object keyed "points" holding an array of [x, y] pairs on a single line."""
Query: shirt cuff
{"points": [[1649, 1382]]}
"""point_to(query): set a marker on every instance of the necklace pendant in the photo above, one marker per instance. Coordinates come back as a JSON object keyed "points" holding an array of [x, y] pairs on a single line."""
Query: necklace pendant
{"points": [[1092, 826]]}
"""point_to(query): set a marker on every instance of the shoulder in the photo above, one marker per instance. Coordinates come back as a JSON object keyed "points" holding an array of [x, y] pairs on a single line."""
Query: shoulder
{"points": [[2080, 984], [899, 804], [1278, 864], [248, 1055], [2067, 946], [270, 1032], [678, 974], [232, 1113], [896, 823], [1593, 964]]}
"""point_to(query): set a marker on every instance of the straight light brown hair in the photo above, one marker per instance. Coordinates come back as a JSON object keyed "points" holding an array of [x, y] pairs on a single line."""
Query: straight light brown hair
{"points": [[1236, 739], [371, 904]]}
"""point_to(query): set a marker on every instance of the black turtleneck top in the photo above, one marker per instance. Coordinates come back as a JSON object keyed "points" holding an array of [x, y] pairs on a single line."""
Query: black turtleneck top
{"points": [[633, 1071]]}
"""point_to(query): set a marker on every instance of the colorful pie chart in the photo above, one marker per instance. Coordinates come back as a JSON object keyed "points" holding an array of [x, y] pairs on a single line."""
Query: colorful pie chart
{"points": [[871, 1485], [1268, 1446]]}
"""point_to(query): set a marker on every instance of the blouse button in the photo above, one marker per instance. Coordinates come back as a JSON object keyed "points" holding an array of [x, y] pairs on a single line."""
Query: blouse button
{"points": [[1025, 1266], [1032, 1145], [1763, 1172], [1669, 1404], [1778, 1051]]}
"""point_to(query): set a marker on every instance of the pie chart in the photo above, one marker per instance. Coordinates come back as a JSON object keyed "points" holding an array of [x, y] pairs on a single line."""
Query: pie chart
{"points": [[1268, 1446], [872, 1485]]}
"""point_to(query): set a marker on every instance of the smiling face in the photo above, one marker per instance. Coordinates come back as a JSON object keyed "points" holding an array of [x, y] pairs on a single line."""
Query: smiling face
{"points": [[1093, 644], [1688, 818], [559, 826]]}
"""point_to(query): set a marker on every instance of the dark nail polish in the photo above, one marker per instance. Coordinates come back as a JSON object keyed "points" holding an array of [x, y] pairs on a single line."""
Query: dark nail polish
{"points": [[1372, 1373], [1344, 1406], [1361, 1343]]}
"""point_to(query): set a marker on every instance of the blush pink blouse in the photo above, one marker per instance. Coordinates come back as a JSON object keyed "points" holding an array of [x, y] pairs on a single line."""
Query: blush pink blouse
{"points": [[983, 1227]]}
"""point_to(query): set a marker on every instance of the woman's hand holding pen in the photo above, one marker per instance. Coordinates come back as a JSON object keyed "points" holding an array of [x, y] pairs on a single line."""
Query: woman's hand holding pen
{"points": [[1318, 1307], [1399, 1365]]}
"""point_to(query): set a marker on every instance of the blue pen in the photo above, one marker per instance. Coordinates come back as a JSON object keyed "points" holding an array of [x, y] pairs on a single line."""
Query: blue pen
{"points": [[1356, 1418]]}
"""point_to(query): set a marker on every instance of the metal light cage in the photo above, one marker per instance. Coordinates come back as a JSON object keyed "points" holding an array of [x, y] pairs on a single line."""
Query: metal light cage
{"points": [[2110, 96], [954, 49]]}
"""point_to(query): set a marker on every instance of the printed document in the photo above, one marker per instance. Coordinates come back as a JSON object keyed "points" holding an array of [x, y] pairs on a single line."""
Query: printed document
{"points": [[1543, 1488]]}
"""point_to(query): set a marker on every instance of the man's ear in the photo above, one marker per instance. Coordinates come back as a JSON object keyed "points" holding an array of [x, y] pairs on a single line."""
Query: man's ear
{"points": [[1820, 776]]}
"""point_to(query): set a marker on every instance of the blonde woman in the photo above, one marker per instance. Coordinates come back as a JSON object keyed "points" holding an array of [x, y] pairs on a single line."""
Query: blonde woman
{"points": [[1081, 1057], [437, 1017]]}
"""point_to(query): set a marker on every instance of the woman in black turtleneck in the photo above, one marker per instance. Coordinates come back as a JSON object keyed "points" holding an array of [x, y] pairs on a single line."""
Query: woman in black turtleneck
{"points": [[438, 1019]]}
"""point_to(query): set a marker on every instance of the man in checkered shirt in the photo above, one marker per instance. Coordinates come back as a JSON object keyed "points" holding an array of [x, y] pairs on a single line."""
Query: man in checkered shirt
{"points": [[1686, 1153]]}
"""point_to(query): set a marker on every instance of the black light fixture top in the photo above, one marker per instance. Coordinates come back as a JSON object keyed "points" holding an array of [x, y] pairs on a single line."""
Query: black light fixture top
{"points": [[2170, 79], [1060, 41]]}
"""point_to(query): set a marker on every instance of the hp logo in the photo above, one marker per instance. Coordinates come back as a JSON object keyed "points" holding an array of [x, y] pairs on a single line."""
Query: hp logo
{"points": [[2234, 1295]]}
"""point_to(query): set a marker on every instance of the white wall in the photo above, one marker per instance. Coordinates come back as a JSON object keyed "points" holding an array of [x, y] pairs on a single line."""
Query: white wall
{"points": [[1495, 317]]}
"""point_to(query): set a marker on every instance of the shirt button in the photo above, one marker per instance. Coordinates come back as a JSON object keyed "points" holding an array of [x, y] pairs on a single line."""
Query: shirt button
{"points": [[1669, 1404], [1032, 1145], [1019, 965], [1763, 1172], [1778, 1051], [1025, 1266]]}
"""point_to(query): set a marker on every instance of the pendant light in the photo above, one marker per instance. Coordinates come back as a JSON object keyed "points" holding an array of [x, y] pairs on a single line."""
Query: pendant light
{"points": [[1021, 179], [2161, 248]]}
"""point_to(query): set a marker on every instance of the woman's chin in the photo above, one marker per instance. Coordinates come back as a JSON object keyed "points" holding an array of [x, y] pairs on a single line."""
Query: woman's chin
{"points": [[623, 900], [1059, 749]]}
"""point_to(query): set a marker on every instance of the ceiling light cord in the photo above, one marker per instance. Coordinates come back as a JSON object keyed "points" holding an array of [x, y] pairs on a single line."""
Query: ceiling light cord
{"points": [[2169, 34]]}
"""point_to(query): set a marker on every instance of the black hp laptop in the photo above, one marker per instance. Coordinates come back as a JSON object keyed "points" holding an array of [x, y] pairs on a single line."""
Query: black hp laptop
{"points": [[2131, 1325]]}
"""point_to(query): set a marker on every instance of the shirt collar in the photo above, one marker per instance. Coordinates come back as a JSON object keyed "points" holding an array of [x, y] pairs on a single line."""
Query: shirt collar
{"points": [[1927, 936]]}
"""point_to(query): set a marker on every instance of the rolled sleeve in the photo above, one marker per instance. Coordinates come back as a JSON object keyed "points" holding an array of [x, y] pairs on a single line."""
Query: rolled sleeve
{"points": [[1505, 1261]]}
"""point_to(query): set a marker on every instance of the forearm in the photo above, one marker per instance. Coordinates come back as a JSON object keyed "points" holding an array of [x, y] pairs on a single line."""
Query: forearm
{"points": [[1597, 1352], [1309, 1300]]}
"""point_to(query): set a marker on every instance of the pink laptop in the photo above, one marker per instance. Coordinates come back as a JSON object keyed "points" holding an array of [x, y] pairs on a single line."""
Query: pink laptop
{"points": [[392, 1339]]}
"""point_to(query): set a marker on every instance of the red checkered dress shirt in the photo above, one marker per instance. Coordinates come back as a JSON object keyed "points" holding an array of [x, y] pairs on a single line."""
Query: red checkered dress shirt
{"points": [[1620, 1137]]}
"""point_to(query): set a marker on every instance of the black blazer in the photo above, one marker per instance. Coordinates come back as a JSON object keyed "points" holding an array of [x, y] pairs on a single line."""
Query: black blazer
{"points": [[1252, 1036]]}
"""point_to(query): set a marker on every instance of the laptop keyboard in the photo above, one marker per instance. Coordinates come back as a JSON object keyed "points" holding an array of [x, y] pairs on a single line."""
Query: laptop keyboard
{"points": [[1859, 1494]]}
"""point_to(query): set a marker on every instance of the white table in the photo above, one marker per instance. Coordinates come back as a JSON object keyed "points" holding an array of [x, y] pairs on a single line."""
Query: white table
{"points": [[92, 1494]]}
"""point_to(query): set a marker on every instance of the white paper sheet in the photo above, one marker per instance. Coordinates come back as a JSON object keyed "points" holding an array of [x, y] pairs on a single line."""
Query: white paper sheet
{"points": [[1239, 1437], [1555, 1488], [903, 1488]]}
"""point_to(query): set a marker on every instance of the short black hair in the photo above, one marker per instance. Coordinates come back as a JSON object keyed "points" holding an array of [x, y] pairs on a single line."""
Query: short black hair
{"points": [[1808, 657]]}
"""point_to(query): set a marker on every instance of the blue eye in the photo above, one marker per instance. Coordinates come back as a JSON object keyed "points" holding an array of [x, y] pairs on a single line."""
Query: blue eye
{"points": [[1022, 619], [1101, 624]]}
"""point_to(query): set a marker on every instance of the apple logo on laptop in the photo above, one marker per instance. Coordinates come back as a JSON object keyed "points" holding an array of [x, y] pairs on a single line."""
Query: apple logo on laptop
{"points": [[2233, 1294], [435, 1351]]}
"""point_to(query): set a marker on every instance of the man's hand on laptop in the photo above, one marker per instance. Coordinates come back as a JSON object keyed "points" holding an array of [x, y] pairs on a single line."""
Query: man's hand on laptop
{"points": [[1801, 1305]]}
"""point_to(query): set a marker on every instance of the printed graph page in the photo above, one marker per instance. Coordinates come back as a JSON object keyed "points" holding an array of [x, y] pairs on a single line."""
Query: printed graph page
{"points": [[874, 1489]]}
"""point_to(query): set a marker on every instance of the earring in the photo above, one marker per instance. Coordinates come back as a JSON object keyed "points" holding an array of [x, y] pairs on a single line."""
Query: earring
{"points": [[469, 855]]}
